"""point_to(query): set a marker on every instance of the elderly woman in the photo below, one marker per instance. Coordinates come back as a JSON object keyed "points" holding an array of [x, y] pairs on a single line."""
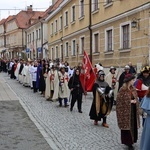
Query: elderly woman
{"points": [[127, 107]]}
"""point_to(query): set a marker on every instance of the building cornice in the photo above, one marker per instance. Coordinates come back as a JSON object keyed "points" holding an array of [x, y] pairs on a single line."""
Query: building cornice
{"points": [[55, 12], [128, 13], [55, 42], [75, 33]]}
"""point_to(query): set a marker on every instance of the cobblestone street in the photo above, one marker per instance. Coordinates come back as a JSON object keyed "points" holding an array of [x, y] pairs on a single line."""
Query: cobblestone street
{"points": [[65, 130]]}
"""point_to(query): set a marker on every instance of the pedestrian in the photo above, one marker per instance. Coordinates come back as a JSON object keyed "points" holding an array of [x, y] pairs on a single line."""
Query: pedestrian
{"points": [[111, 79], [142, 83], [76, 89], [63, 93], [95, 112], [132, 69], [121, 78], [145, 138], [127, 110]]}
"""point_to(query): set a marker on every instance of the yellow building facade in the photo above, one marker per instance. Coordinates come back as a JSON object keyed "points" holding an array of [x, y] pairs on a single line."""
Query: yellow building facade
{"points": [[111, 32]]}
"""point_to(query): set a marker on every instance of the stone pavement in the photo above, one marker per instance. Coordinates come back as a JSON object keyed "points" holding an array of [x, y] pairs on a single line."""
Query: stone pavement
{"points": [[17, 131], [65, 130]]}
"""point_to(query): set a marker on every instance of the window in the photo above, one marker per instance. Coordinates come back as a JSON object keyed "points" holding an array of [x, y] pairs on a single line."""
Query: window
{"points": [[109, 39], [30, 38], [66, 18], [94, 5], [96, 37], [61, 52], [51, 28], [125, 30], [61, 23], [73, 14], [81, 45], [73, 47], [52, 53], [39, 33], [56, 52], [33, 35], [36, 34], [66, 49], [81, 8], [56, 28]]}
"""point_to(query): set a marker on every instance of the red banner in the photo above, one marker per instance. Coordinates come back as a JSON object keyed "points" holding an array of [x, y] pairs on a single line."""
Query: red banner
{"points": [[87, 76]]}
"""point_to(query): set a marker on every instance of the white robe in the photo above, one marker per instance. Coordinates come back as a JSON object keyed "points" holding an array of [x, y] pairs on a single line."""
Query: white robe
{"points": [[63, 88], [17, 71]]}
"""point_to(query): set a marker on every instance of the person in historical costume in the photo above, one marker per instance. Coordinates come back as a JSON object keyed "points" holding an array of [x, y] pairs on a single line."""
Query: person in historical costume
{"points": [[102, 100], [122, 76], [127, 111], [20, 70], [52, 84], [63, 86], [26, 74], [33, 71], [17, 70], [76, 89], [145, 137], [111, 79], [141, 84], [13, 68], [30, 74]]}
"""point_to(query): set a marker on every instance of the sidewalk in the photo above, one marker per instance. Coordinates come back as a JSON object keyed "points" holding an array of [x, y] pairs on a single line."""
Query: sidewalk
{"points": [[17, 131]]}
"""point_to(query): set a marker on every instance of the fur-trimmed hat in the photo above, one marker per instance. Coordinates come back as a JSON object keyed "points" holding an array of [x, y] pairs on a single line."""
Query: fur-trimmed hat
{"points": [[128, 77], [145, 69]]}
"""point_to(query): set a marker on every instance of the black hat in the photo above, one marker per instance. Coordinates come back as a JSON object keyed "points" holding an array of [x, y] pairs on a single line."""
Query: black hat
{"points": [[128, 77]]}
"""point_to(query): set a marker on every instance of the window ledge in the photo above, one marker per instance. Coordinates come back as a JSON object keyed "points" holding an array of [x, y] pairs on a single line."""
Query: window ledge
{"points": [[73, 56], [124, 50], [95, 11], [96, 53], [108, 4], [81, 17], [109, 52], [60, 30], [66, 26], [51, 35], [81, 55], [73, 22], [66, 56], [55, 33]]}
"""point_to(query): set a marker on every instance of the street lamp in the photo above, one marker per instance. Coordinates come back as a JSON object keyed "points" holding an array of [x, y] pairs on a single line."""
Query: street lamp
{"points": [[135, 23]]}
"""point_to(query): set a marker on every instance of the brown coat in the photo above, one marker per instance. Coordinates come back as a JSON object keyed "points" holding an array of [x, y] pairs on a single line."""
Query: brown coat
{"points": [[123, 108]]}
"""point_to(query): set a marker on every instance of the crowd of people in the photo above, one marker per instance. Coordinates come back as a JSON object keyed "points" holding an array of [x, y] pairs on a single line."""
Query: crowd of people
{"points": [[57, 81]]}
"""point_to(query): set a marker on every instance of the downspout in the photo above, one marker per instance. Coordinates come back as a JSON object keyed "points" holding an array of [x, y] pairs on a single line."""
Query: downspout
{"points": [[42, 38], [90, 24]]}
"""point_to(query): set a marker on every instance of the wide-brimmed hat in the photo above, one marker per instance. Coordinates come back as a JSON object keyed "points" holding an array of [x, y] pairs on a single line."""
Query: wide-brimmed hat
{"points": [[128, 77], [145, 69], [112, 67]]}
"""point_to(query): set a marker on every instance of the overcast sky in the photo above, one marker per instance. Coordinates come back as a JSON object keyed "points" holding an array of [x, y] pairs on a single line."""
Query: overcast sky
{"points": [[21, 4]]}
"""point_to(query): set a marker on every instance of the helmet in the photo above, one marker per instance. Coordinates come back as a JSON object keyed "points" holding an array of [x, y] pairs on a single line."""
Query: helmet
{"points": [[101, 73], [127, 67], [112, 67]]}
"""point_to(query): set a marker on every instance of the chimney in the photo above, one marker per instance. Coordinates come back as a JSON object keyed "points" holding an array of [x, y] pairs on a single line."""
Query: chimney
{"points": [[29, 8]]}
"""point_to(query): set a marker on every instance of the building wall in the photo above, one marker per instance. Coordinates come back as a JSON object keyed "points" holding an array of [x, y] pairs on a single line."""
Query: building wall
{"points": [[114, 15]]}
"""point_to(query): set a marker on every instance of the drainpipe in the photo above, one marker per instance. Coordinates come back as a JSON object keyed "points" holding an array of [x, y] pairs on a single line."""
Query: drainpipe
{"points": [[41, 39], [90, 24]]}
